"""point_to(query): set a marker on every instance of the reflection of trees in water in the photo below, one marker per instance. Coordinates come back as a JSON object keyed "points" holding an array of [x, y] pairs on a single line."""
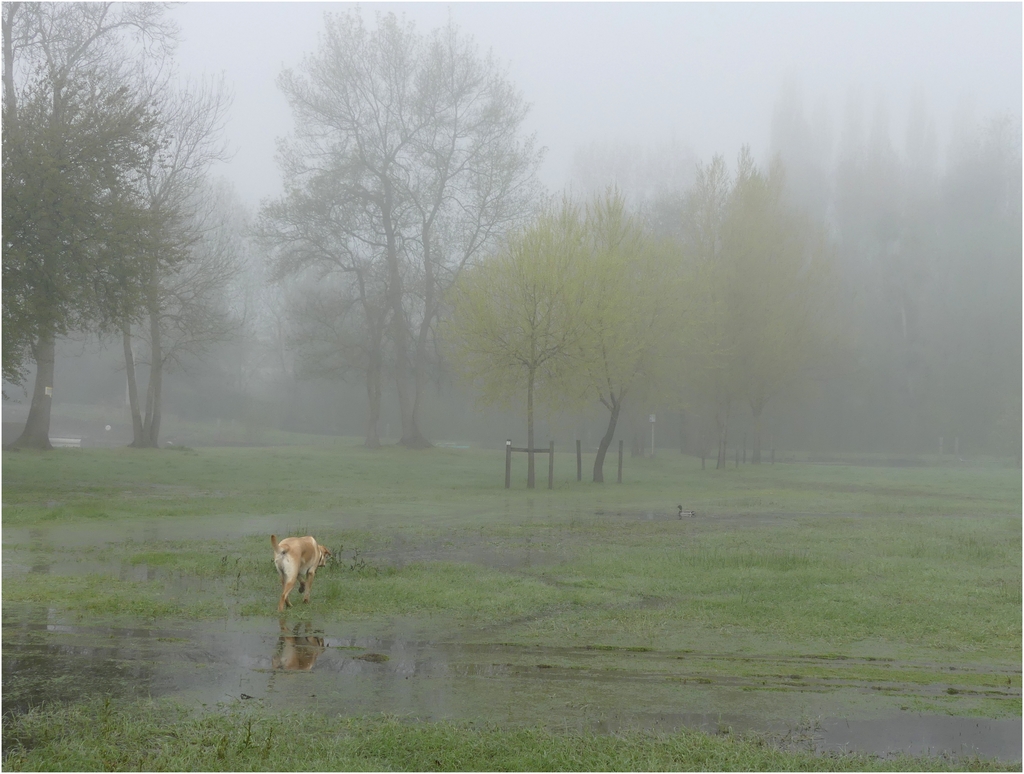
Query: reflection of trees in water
{"points": [[36, 672]]}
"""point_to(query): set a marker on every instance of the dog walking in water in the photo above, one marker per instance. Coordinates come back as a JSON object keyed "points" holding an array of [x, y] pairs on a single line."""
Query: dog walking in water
{"points": [[297, 559]]}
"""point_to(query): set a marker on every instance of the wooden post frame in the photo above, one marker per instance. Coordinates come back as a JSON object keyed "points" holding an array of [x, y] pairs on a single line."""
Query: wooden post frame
{"points": [[508, 463], [509, 448]]}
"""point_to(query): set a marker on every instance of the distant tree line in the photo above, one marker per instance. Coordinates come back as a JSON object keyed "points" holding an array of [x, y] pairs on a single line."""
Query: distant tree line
{"points": [[872, 293], [929, 258]]}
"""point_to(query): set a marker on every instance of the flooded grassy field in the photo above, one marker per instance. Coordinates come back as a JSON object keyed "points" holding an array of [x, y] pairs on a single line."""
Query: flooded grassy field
{"points": [[576, 611]]}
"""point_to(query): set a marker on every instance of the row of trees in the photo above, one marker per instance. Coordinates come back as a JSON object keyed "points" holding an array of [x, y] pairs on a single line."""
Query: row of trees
{"points": [[929, 254], [110, 224], [413, 233], [585, 305]]}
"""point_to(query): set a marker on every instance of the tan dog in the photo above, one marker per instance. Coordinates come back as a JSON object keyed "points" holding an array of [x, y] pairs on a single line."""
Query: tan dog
{"points": [[297, 559]]}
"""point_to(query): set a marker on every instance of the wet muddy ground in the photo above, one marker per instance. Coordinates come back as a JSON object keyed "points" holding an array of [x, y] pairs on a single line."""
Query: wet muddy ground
{"points": [[404, 667], [297, 664]]}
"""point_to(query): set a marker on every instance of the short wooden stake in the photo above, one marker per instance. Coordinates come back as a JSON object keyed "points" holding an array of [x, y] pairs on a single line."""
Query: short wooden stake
{"points": [[508, 463]]}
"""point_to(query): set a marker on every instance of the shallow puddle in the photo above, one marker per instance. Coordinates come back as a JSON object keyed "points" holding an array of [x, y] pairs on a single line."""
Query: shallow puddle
{"points": [[290, 664]]}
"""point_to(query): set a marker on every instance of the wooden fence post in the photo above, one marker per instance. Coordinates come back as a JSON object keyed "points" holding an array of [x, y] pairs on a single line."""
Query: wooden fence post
{"points": [[508, 463], [551, 466], [620, 460]]}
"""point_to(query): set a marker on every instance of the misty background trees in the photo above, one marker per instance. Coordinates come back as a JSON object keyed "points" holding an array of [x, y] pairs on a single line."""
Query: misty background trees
{"points": [[852, 291], [76, 137], [408, 160]]}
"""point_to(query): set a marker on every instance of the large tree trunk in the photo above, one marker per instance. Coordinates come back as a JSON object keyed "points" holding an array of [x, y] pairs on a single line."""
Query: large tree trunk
{"points": [[530, 474], [133, 388], [411, 435], [36, 434], [416, 440], [154, 393], [405, 389], [529, 433], [755, 454], [373, 392], [614, 406], [722, 425]]}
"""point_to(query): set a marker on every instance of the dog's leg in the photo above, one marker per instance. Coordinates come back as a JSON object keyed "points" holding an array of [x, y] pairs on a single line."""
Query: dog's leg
{"points": [[287, 587], [309, 585]]}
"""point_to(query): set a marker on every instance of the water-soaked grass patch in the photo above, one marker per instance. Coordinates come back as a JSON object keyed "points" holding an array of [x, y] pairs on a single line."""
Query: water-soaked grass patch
{"points": [[156, 736], [99, 595], [800, 583]]}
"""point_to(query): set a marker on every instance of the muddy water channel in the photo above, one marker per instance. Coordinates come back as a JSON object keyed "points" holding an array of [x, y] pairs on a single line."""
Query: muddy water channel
{"points": [[407, 667]]}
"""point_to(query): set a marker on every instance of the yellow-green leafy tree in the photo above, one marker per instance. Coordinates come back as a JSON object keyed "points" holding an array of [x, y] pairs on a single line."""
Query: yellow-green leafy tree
{"points": [[517, 321], [631, 313]]}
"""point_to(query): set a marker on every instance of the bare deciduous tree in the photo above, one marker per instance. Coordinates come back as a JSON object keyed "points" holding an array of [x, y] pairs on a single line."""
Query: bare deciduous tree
{"points": [[194, 255], [408, 155]]}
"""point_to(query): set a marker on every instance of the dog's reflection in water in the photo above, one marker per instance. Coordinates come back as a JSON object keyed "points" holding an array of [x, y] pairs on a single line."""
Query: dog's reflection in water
{"points": [[297, 649]]}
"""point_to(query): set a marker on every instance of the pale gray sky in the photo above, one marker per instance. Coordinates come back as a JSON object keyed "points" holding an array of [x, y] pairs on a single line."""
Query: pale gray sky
{"points": [[705, 75]]}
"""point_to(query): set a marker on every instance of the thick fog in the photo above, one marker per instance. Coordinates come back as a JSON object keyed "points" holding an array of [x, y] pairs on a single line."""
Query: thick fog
{"points": [[882, 115], [702, 76]]}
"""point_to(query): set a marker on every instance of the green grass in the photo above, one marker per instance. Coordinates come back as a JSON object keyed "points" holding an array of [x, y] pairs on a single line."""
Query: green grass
{"points": [[941, 586], [103, 484], [150, 736], [919, 582]]}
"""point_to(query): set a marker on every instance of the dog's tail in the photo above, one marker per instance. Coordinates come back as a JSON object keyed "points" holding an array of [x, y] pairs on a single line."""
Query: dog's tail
{"points": [[273, 541]]}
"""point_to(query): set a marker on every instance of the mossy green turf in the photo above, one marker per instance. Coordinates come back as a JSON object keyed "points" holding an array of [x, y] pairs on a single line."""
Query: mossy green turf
{"points": [[850, 563], [148, 736]]}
